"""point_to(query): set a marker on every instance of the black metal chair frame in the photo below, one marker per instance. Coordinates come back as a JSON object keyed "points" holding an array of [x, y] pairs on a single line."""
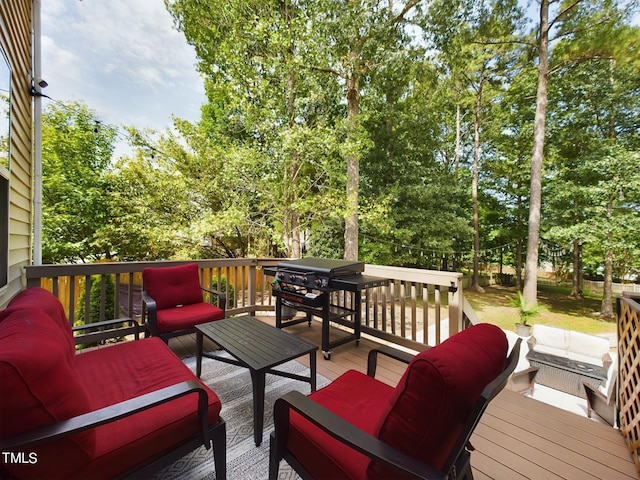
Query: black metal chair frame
{"points": [[457, 465]]}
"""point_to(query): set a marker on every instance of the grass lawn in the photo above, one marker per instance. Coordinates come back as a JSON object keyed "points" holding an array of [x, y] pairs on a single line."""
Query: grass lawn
{"points": [[560, 310]]}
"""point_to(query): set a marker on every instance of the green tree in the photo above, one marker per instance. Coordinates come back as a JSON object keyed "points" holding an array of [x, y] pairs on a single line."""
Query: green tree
{"points": [[76, 188], [270, 114], [286, 63], [593, 181], [585, 23]]}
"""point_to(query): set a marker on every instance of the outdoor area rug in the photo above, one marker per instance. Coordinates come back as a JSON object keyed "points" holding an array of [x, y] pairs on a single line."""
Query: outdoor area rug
{"points": [[233, 385]]}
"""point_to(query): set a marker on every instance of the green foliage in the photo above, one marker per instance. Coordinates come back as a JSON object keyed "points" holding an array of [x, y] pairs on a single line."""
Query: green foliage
{"points": [[76, 189], [96, 312], [222, 287], [296, 91], [526, 309], [94, 301]]}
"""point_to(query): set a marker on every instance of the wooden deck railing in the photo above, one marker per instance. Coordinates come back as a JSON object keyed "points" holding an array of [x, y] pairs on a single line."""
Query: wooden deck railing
{"points": [[418, 307]]}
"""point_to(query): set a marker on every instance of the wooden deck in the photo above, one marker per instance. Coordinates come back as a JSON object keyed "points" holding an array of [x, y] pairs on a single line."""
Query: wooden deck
{"points": [[517, 438]]}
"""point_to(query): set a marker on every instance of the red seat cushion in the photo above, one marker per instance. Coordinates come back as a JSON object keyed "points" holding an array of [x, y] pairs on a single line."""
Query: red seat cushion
{"points": [[127, 370], [180, 318], [436, 394], [49, 304], [357, 398], [41, 386], [173, 286]]}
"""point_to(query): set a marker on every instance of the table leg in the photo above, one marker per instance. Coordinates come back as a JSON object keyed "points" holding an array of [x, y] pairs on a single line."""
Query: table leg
{"points": [[325, 328], [258, 381], [199, 346], [278, 311], [357, 316], [312, 368]]}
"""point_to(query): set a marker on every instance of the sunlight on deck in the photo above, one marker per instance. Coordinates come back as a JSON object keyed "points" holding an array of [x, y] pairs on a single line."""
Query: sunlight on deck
{"points": [[518, 437]]}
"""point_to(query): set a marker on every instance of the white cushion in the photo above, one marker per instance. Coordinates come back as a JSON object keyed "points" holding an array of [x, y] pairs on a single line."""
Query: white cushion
{"points": [[578, 357], [612, 376], [541, 348], [588, 345], [550, 337], [574, 345]]}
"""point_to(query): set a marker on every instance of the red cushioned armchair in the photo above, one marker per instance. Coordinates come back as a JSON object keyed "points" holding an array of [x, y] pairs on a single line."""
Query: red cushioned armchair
{"points": [[127, 409], [360, 428], [174, 302]]}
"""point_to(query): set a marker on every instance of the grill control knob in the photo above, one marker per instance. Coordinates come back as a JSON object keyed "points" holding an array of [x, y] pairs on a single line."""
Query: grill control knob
{"points": [[318, 282], [304, 279]]}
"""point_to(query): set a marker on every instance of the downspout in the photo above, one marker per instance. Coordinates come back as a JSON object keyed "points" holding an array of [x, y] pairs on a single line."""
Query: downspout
{"points": [[37, 139]]}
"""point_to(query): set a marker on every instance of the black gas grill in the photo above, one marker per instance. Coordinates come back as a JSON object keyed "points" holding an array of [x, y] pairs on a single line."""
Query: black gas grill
{"points": [[313, 286]]}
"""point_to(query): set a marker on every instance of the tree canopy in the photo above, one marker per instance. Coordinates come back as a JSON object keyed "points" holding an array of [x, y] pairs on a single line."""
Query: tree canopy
{"points": [[397, 132]]}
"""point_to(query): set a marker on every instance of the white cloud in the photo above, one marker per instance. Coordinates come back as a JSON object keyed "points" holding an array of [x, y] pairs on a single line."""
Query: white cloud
{"points": [[121, 57]]}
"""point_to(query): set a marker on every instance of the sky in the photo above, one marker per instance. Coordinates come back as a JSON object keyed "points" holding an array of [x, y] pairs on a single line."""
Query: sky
{"points": [[122, 58]]}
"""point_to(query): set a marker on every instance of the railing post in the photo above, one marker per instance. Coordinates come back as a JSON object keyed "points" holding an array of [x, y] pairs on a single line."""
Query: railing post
{"points": [[455, 307]]}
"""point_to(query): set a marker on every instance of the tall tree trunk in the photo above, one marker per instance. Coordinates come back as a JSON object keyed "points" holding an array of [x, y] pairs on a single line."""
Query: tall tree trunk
{"points": [[292, 217], [530, 291], [576, 284], [606, 309], [458, 136], [475, 285], [519, 247], [353, 167]]}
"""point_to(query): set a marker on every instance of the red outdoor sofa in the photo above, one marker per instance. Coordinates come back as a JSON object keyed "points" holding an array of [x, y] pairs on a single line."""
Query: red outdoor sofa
{"points": [[126, 409]]}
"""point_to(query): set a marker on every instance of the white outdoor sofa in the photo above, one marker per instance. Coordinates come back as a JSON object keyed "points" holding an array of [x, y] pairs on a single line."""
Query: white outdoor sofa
{"points": [[565, 359]]}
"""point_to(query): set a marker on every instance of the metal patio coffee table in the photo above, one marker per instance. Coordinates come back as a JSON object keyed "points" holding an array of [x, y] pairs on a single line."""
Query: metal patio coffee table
{"points": [[258, 347]]}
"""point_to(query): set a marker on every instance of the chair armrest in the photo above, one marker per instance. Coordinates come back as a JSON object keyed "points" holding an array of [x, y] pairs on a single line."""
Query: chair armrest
{"points": [[594, 392], [222, 298], [133, 326], [599, 403], [523, 381], [148, 301], [346, 433], [149, 306], [112, 413], [372, 360]]}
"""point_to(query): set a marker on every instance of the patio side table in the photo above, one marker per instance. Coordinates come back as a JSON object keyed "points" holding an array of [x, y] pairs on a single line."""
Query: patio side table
{"points": [[258, 347]]}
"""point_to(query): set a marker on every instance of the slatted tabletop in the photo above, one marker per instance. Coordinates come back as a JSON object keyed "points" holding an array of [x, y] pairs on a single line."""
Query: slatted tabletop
{"points": [[260, 348], [254, 343]]}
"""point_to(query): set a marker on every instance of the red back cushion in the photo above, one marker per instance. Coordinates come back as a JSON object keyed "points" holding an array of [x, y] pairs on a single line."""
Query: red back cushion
{"points": [[173, 286], [41, 386], [49, 304], [436, 393]]}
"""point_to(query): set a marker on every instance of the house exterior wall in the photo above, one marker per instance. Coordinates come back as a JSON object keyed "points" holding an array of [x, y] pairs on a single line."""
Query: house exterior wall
{"points": [[17, 44]]}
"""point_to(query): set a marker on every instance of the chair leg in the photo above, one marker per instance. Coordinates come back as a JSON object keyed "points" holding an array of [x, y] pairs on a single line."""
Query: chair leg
{"points": [[274, 460], [199, 346], [219, 440]]}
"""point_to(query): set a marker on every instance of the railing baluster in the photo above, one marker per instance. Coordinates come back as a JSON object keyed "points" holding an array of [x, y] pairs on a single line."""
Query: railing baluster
{"points": [[413, 311], [438, 306], [72, 299], [87, 297], [403, 313], [392, 300], [425, 314]]}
